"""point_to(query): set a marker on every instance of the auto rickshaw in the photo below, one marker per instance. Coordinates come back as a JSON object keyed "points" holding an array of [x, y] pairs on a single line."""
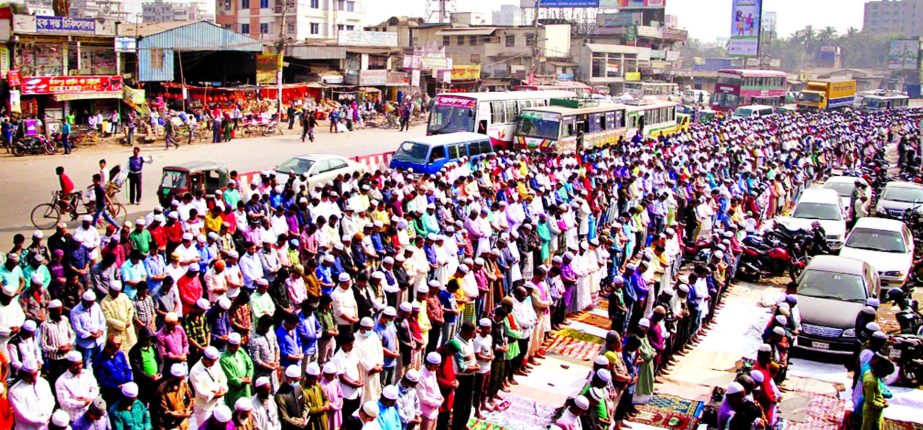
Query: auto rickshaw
{"points": [[179, 179]]}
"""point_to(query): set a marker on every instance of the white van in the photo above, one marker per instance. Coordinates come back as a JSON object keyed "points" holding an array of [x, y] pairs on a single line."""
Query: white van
{"points": [[825, 206], [691, 97], [753, 111]]}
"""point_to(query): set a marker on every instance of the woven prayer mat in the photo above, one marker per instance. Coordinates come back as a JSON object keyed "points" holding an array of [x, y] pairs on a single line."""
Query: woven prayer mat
{"points": [[670, 412], [594, 320], [522, 414], [901, 425], [820, 413], [575, 344]]}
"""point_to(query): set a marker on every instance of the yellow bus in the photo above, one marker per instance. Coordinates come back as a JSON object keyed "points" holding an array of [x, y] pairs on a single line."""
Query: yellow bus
{"points": [[658, 118], [557, 128]]}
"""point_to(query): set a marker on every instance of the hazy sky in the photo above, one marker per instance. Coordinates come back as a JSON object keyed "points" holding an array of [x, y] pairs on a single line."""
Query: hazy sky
{"points": [[705, 19]]}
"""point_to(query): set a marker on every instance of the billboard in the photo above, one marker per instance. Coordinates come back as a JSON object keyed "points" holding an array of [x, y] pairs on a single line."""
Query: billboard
{"points": [[560, 3], [641, 4], [903, 53], [70, 84], [745, 28], [267, 67]]}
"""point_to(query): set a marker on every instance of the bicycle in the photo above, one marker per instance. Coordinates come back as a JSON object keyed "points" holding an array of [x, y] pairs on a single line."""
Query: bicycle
{"points": [[45, 216]]}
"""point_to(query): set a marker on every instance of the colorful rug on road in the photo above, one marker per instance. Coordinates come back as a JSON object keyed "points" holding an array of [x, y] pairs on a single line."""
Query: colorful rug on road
{"points": [[670, 412], [575, 344], [822, 413], [595, 320], [521, 414], [901, 425]]}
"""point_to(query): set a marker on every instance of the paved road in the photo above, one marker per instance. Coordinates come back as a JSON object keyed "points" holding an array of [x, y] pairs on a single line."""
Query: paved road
{"points": [[28, 181]]}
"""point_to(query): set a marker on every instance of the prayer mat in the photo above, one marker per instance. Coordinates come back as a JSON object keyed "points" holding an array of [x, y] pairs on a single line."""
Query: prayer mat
{"points": [[594, 320], [521, 414], [476, 424], [670, 412], [575, 344], [901, 425], [822, 413]]}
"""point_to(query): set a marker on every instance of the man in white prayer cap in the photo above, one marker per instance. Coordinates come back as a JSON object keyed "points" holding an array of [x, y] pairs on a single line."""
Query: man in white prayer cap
{"points": [[129, 412], [265, 411], [210, 385], [570, 419], [76, 389], [31, 399], [293, 409]]}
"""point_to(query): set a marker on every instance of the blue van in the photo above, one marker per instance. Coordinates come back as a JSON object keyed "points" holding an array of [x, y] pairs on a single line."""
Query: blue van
{"points": [[429, 154]]}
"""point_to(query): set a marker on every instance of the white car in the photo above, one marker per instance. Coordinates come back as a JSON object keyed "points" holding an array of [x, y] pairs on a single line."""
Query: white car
{"points": [[844, 186], [886, 244], [319, 168], [824, 206]]}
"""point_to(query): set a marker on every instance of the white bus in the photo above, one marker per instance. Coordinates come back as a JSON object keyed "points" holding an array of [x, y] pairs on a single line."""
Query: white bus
{"points": [[492, 114], [659, 117], [874, 102]]}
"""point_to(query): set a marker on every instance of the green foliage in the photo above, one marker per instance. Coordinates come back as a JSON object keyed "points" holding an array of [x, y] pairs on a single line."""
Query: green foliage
{"points": [[860, 49]]}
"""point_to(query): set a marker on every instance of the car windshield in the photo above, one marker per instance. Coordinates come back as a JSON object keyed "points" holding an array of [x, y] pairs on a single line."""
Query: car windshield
{"points": [[295, 165], [742, 112], [844, 189], [173, 179], [876, 240], [450, 119], [833, 286], [413, 152], [809, 97], [820, 211], [904, 195]]}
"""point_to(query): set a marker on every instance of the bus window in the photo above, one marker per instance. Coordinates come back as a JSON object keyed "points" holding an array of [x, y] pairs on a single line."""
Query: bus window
{"points": [[437, 153], [485, 147], [456, 152], [473, 148], [482, 126]]}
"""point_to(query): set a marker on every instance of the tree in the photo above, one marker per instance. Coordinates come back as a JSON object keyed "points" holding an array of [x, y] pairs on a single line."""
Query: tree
{"points": [[860, 49]]}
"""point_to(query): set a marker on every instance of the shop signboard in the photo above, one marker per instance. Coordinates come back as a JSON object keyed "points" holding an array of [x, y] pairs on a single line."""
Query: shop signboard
{"points": [[15, 103], [463, 72], [65, 24], [373, 78], [125, 44], [38, 85], [641, 4], [4, 60], [367, 38], [267, 66], [14, 78], [31, 127], [415, 78], [633, 76]]}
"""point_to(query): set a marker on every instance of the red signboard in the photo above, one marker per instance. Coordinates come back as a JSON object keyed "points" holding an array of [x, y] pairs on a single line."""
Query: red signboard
{"points": [[70, 84], [456, 101], [13, 78]]}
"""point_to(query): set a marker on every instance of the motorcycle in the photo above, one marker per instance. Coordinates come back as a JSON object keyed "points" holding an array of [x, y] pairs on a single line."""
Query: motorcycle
{"points": [[34, 145], [765, 257], [907, 354], [700, 250], [908, 315]]}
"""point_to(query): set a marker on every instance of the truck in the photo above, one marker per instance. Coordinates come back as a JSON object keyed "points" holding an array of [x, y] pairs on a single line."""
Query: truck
{"points": [[827, 94]]}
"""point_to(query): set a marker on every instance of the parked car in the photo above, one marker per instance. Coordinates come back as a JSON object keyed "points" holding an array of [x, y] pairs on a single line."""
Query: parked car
{"points": [[844, 186], [831, 292], [179, 179], [319, 168], [753, 111], [897, 197], [430, 154], [886, 244], [691, 97], [821, 205]]}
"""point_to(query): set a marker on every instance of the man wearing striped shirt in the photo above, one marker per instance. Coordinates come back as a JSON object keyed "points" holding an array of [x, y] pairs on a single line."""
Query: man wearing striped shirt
{"points": [[57, 339]]}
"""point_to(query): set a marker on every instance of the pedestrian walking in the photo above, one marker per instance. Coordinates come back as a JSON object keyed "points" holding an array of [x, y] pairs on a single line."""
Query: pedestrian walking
{"points": [[334, 118], [130, 124], [290, 113], [308, 123], [169, 133], [135, 165], [216, 129], [102, 201], [65, 137]]}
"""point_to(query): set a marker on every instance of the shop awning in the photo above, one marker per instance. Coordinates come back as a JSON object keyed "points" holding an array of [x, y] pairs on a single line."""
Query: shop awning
{"points": [[89, 95]]}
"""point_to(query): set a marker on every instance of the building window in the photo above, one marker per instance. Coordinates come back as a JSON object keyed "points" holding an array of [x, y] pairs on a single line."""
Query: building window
{"points": [[157, 58], [264, 28], [530, 39], [350, 6], [510, 40], [341, 4], [446, 40], [245, 28], [245, 4], [475, 58], [290, 27], [227, 4], [315, 28], [473, 40], [350, 27], [340, 27], [461, 40], [264, 4], [315, 4]]}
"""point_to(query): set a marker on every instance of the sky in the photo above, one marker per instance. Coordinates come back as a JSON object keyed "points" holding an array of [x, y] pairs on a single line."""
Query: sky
{"points": [[705, 20]]}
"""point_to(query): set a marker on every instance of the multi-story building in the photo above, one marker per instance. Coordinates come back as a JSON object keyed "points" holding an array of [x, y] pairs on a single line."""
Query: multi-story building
{"points": [[299, 20], [903, 17], [509, 14], [120, 10], [167, 11]]}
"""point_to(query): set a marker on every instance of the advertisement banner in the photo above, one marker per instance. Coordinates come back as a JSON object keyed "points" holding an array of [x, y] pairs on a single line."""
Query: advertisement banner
{"points": [[415, 78], [564, 3], [70, 84], [745, 28], [15, 104], [367, 38], [65, 24], [466, 72], [267, 66], [373, 78], [633, 76], [4, 60], [125, 44], [903, 53], [456, 101], [13, 78], [642, 4]]}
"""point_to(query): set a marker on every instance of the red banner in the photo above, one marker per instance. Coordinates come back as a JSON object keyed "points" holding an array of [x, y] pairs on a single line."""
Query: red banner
{"points": [[13, 78], [70, 84]]}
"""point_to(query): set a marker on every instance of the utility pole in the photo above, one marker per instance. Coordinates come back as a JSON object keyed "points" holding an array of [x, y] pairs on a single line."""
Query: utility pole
{"points": [[533, 61], [281, 44]]}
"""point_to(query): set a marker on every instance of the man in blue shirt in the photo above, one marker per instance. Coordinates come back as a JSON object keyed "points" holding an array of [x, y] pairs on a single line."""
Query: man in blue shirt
{"points": [[309, 330], [389, 345], [112, 370], [290, 349], [135, 165], [388, 416], [89, 325]]}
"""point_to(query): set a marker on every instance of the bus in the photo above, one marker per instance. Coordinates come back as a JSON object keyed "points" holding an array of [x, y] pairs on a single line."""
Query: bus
{"points": [[555, 128], [492, 114], [582, 90], [654, 118], [652, 90], [748, 87], [880, 101]]}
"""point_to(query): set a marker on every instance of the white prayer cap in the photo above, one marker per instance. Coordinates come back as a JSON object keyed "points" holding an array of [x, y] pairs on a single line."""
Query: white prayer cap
{"points": [[202, 304], [412, 375], [222, 414], [312, 369], [243, 404], [868, 310], [262, 381], [212, 353], [344, 277], [434, 358], [734, 388], [644, 322], [89, 296], [330, 368], [38, 234], [390, 392], [719, 254], [757, 376], [86, 218], [601, 360], [872, 327], [29, 326], [604, 375], [879, 335], [293, 371], [485, 322], [187, 236], [388, 260], [765, 348], [29, 366], [171, 317], [37, 278], [115, 285], [370, 408], [582, 402], [74, 357], [390, 312], [234, 338], [423, 289], [366, 322], [781, 319], [873, 302], [224, 303], [597, 394], [60, 418], [405, 307], [178, 369], [378, 275], [434, 284], [130, 390], [463, 268], [55, 304], [779, 331]]}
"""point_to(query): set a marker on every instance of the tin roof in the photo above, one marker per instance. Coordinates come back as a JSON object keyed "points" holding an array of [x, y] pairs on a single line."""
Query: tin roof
{"points": [[193, 36]]}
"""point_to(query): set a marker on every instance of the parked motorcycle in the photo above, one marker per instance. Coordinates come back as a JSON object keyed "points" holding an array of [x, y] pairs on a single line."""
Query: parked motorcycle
{"points": [[907, 355], [908, 316], [769, 257], [700, 250], [33, 145]]}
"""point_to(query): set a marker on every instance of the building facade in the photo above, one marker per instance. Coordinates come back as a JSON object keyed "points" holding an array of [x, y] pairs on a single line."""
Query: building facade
{"points": [[298, 20], [508, 14], [903, 17], [166, 11]]}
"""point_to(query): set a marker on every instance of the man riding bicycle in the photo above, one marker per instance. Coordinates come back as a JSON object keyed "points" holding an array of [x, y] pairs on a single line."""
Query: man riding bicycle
{"points": [[67, 198]]}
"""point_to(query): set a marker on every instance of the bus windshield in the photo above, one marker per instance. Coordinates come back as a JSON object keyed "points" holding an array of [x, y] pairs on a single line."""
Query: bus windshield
{"points": [[725, 100], [541, 126], [450, 119]]}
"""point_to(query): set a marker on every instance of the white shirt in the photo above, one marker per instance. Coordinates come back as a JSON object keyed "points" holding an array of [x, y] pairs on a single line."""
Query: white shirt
{"points": [[206, 381], [348, 364], [265, 415], [32, 404], [25, 351], [11, 316], [69, 387], [344, 303], [483, 345]]}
